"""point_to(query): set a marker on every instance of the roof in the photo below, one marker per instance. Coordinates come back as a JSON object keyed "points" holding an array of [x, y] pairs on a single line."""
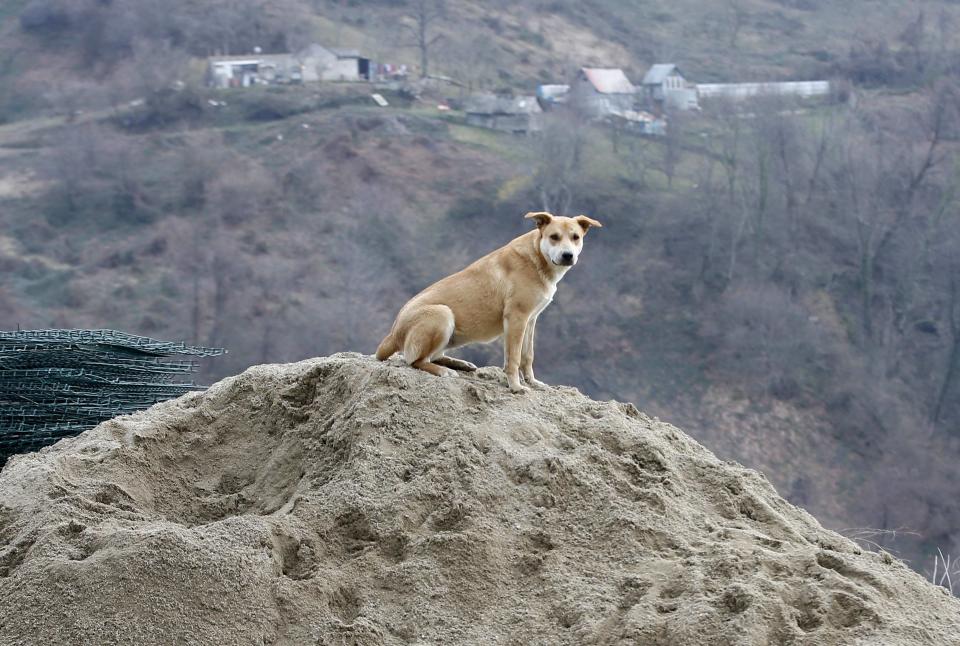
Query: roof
{"points": [[233, 60], [281, 57], [345, 53], [552, 92], [656, 74], [493, 104], [251, 59], [608, 80]]}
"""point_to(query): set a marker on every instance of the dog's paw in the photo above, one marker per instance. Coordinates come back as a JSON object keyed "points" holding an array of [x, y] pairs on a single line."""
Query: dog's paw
{"points": [[519, 388], [536, 383], [469, 367]]}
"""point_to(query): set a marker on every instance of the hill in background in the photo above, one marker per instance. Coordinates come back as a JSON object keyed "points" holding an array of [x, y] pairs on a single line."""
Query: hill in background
{"points": [[780, 282]]}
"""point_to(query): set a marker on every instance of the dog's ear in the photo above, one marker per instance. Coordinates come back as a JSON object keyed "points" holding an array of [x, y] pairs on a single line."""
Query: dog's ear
{"points": [[585, 222], [542, 217]]}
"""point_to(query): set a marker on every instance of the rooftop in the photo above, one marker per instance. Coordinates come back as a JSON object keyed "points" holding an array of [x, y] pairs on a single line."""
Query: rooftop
{"points": [[345, 53], [658, 72], [608, 80]]}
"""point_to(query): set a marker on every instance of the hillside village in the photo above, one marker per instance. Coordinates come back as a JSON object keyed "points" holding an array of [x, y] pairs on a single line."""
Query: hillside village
{"points": [[597, 94]]}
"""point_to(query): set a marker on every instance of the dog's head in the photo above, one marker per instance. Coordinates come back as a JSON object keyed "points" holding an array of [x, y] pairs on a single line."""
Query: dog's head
{"points": [[561, 238]]}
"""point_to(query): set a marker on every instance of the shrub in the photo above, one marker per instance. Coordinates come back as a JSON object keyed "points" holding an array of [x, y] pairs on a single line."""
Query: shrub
{"points": [[164, 108], [45, 16]]}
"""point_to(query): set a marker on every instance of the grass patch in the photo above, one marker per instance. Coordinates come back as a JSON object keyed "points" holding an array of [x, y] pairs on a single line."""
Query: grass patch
{"points": [[511, 147]]}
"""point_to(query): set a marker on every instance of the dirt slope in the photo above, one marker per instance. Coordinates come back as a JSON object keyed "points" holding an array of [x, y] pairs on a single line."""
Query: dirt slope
{"points": [[341, 501]]}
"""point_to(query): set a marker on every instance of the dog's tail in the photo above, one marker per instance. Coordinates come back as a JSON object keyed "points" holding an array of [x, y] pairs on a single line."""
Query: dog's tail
{"points": [[387, 347]]}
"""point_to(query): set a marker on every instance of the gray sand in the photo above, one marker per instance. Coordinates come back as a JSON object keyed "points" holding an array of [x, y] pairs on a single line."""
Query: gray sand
{"points": [[342, 501]]}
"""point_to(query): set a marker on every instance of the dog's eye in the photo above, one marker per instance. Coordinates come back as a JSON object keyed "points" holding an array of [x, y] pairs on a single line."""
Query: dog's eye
{"points": [[575, 237], [555, 237]]}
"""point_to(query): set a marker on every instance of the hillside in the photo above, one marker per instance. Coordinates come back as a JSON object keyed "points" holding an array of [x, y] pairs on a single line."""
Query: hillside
{"points": [[339, 500], [513, 43], [780, 282], [496, 44]]}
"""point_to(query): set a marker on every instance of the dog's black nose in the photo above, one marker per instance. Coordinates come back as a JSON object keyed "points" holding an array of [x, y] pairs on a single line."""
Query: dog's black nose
{"points": [[566, 257]]}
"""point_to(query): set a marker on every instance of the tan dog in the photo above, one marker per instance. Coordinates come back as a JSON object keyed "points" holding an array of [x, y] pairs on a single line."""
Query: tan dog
{"points": [[502, 294]]}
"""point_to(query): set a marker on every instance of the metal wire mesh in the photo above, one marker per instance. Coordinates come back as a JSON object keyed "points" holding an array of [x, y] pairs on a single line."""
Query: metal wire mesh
{"points": [[59, 383]]}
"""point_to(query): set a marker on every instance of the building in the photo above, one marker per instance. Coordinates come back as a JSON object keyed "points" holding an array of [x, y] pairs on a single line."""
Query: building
{"points": [[520, 115], [551, 96], [640, 122], [599, 92], [327, 64], [739, 91], [244, 71], [665, 89], [312, 64]]}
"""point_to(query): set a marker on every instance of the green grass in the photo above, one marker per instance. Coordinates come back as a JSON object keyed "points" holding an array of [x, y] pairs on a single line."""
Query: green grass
{"points": [[514, 148]]}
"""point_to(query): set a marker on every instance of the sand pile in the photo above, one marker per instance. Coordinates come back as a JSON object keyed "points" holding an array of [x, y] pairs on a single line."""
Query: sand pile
{"points": [[342, 501]]}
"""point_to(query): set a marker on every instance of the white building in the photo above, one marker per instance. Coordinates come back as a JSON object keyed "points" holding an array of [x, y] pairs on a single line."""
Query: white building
{"points": [[310, 65], [519, 115], [327, 64], [667, 89], [735, 91]]}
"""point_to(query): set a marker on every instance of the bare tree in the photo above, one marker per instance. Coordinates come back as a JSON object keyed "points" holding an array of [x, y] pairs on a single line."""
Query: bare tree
{"points": [[425, 14], [151, 68], [635, 151], [558, 163], [952, 315], [738, 19], [672, 147], [477, 61], [877, 178], [769, 335], [727, 147]]}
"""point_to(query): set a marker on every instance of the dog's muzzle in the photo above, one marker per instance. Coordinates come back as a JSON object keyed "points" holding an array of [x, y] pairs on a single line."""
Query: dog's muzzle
{"points": [[566, 259]]}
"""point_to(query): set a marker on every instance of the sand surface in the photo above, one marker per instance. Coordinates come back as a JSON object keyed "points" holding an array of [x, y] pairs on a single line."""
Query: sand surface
{"points": [[341, 501]]}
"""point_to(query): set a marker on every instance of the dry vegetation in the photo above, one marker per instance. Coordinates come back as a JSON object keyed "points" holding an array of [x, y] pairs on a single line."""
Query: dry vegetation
{"points": [[783, 283]]}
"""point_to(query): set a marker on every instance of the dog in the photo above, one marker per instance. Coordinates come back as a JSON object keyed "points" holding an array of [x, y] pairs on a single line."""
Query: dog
{"points": [[499, 295]]}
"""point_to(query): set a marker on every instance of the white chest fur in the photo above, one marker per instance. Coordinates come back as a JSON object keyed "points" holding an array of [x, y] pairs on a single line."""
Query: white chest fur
{"points": [[547, 299]]}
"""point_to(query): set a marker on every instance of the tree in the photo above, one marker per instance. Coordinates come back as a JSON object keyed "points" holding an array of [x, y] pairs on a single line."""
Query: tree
{"points": [[952, 317], [880, 175], [635, 151], [425, 13], [768, 335], [726, 146], [673, 146], [738, 17], [72, 171], [558, 162]]}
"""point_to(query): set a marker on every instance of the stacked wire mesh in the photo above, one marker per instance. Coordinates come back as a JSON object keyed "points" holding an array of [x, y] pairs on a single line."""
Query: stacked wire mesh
{"points": [[58, 383]]}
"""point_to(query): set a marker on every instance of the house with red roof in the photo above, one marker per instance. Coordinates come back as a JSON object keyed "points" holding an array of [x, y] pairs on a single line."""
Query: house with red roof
{"points": [[599, 92]]}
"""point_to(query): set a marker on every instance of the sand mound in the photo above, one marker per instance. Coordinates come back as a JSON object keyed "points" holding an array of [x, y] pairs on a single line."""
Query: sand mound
{"points": [[342, 501]]}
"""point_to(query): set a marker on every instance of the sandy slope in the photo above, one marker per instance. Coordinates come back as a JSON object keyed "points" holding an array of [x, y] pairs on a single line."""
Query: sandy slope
{"points": [[341, 501]]}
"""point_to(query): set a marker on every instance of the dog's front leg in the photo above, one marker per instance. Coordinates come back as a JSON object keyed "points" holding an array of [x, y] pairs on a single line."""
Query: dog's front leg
{"points": [[514, 326], [526, 354]]}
